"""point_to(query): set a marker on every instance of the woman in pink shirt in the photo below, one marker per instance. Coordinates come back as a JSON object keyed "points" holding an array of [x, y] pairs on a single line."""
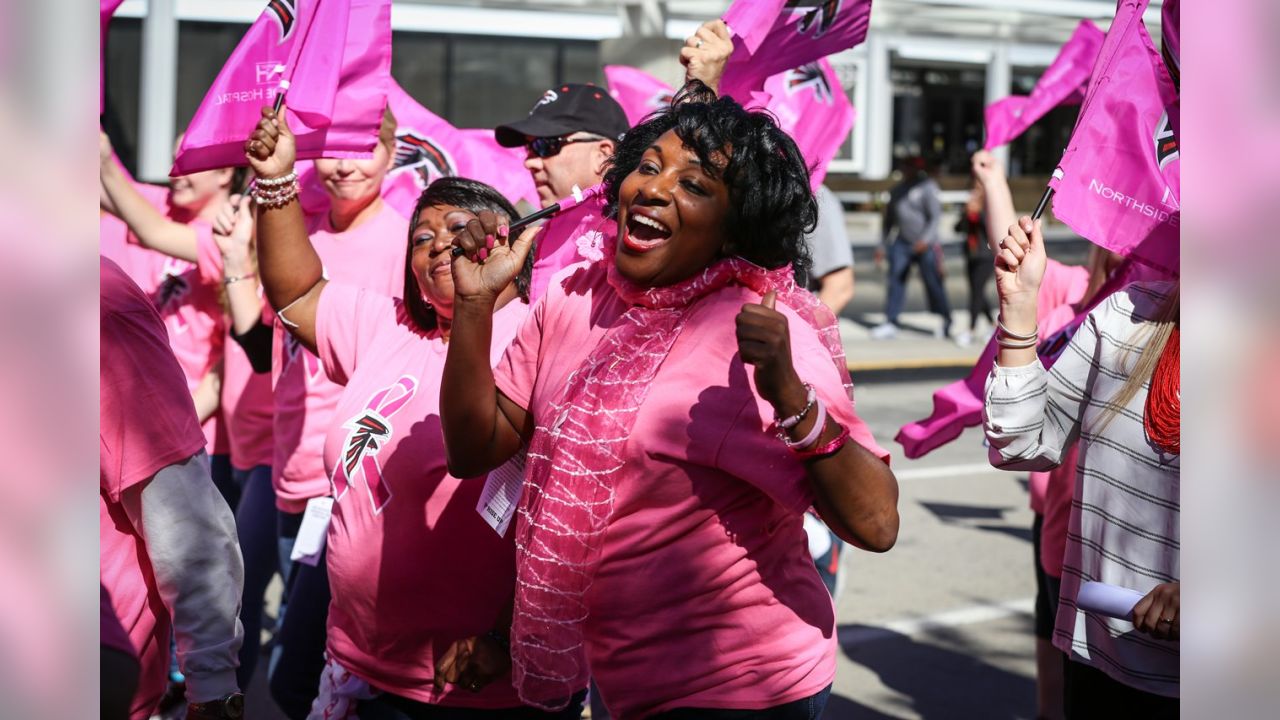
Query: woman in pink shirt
{"points": [[683, 405], [421, 584]]}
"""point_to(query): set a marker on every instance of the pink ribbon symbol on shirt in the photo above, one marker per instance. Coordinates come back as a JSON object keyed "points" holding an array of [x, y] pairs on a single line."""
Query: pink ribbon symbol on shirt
{"points": [[370, 431]]}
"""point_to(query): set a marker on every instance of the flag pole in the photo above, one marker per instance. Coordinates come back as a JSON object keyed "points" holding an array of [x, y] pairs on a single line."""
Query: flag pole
{"points": [[1044, 202], [281, 89]]}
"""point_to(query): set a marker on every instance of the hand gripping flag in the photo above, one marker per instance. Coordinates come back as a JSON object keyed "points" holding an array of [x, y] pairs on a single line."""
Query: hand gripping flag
{"points": [[1064, 82], [335, 56], [1118, 181], [808, 101], [774, 36]]}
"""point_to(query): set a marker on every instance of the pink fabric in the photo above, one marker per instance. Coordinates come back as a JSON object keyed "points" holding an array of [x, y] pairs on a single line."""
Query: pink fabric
{"points": [[106, 10], [370, 255], [412, 565], [337, 57], [683, 505], [1118, 181], [811, 106], [190, 308], [1063, 82], [638, 92], [808, 102], [247, 405], [959, 405], [1059, 489], [147, 423], [563, 238], [795, 36]]}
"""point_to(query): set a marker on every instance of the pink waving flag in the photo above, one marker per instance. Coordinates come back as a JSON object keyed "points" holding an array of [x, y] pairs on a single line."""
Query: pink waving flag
{"points": [[811, 106], [1064, 82], [576, 233], [638, 92], [429, 148], [789, 35], [335, 55], [107, 9], [1118, 181], [808, 101]]}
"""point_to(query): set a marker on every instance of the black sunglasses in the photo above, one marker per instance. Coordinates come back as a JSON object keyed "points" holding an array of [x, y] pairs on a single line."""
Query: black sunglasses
{"points": [[545, 147]]}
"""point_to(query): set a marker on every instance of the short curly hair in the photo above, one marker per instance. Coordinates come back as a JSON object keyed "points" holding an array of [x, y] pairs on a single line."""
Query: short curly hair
{"points": [[472, 196], [771, 206]]}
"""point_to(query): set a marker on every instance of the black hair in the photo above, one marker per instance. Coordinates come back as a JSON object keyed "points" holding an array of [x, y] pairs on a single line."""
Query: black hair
{"points": [[771, 206], [469, 195]]}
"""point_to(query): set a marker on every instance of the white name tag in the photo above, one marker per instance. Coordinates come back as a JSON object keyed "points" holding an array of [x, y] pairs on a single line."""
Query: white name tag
{"points": [[311, 534], [501, 494]]}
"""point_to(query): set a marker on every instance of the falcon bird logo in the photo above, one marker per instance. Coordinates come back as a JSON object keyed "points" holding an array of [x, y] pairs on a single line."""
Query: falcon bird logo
{"points": [[422, 155], [821, 16], [285, 15], [809, 75]]}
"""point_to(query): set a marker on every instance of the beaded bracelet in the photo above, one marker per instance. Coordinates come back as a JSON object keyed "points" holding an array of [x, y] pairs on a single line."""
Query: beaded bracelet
{"points": [[276, 198], [814, 433], [276, 182], [788, 423], [828, 448]]}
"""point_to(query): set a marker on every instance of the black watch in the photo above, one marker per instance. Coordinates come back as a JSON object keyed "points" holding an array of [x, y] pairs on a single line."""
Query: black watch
{"points": [[230, 707]]}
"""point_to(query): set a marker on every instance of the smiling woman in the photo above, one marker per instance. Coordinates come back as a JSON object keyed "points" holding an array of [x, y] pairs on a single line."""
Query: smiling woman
{"points": [[683, 403]]}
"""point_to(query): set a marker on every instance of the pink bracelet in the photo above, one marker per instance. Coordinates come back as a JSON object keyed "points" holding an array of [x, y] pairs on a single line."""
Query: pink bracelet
{"points": [[814, 433], [828, 449]]}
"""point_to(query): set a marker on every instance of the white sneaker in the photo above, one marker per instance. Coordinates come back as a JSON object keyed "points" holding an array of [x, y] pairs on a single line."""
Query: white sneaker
{"points": [[884, 331], [940, 333], [964, 339]]}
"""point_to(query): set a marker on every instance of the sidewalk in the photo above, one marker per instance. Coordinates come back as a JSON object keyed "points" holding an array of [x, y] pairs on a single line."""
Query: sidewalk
{"points": [[914, 348]]}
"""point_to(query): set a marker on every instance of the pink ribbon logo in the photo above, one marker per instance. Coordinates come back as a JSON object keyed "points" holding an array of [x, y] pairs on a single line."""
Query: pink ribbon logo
{"points": [[371, 430]]}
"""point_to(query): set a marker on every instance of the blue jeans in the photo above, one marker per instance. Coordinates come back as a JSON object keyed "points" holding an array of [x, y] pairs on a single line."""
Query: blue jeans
{"points": [[256, 529], [901, 258], [394, 707], [809, 708], [298, 659], [224, 479]]}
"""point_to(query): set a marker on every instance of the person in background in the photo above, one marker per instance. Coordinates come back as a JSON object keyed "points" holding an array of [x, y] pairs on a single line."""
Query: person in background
{"points": [[168, 540], [360, 242], [1114, 391], [910, 234], [831, 275], [978, 260]]}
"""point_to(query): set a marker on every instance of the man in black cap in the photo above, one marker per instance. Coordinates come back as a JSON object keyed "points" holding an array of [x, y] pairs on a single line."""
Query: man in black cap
{"points": [[568, 136], [573, 128]]}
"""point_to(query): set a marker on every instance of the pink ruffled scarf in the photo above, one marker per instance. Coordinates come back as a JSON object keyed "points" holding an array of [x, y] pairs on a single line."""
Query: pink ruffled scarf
{"points": [[577, 453]]}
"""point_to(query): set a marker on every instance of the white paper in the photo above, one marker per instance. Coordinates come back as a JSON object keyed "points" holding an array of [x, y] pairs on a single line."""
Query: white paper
{"points": [[311, 534], [501, 494], [1110, 600]]}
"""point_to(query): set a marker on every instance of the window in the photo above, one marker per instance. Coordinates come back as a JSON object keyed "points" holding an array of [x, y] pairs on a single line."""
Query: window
{"points": [[1037, 151], [937, 114]]}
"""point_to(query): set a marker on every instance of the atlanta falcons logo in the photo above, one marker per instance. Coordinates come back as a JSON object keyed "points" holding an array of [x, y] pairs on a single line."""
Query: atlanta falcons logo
{"points": [[821, 16], [285, 15], [423, 156], [1166, 142], [370, 432], [170, 292], [809, 75]]}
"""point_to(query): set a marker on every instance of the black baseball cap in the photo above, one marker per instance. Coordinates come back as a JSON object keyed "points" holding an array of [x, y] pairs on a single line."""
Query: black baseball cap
{"points": [[566, 109]]}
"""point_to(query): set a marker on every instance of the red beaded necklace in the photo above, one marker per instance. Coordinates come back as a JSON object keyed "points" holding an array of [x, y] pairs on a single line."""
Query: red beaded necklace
{"points": [[1163, 416]]}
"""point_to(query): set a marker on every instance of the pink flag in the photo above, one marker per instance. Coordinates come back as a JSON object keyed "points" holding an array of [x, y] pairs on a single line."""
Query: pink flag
{"points": [[773, 36], [1118, 181], [107, 9], [638, 92], [1064, 82], [501, 167], [808, 101], [336, 57], [812, 108], [574, 234]]}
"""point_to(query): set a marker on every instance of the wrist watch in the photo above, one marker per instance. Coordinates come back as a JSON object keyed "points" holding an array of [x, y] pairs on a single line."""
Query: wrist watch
{"points": [[230, 707]]}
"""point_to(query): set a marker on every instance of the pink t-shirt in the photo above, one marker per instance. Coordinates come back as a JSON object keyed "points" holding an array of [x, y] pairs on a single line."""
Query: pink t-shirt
{"points": [[191, 309], [247, 403], [148, 422], [412, 565], [370, 255], [705, 594]]}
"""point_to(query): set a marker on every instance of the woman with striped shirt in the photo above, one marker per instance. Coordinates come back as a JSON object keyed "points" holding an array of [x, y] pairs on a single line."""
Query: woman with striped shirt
{"points": [[1115, 391]]}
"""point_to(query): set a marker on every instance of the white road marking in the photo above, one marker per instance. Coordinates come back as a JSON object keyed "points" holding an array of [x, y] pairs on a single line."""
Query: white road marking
{"points": [[985, 612], [945, 471]]}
